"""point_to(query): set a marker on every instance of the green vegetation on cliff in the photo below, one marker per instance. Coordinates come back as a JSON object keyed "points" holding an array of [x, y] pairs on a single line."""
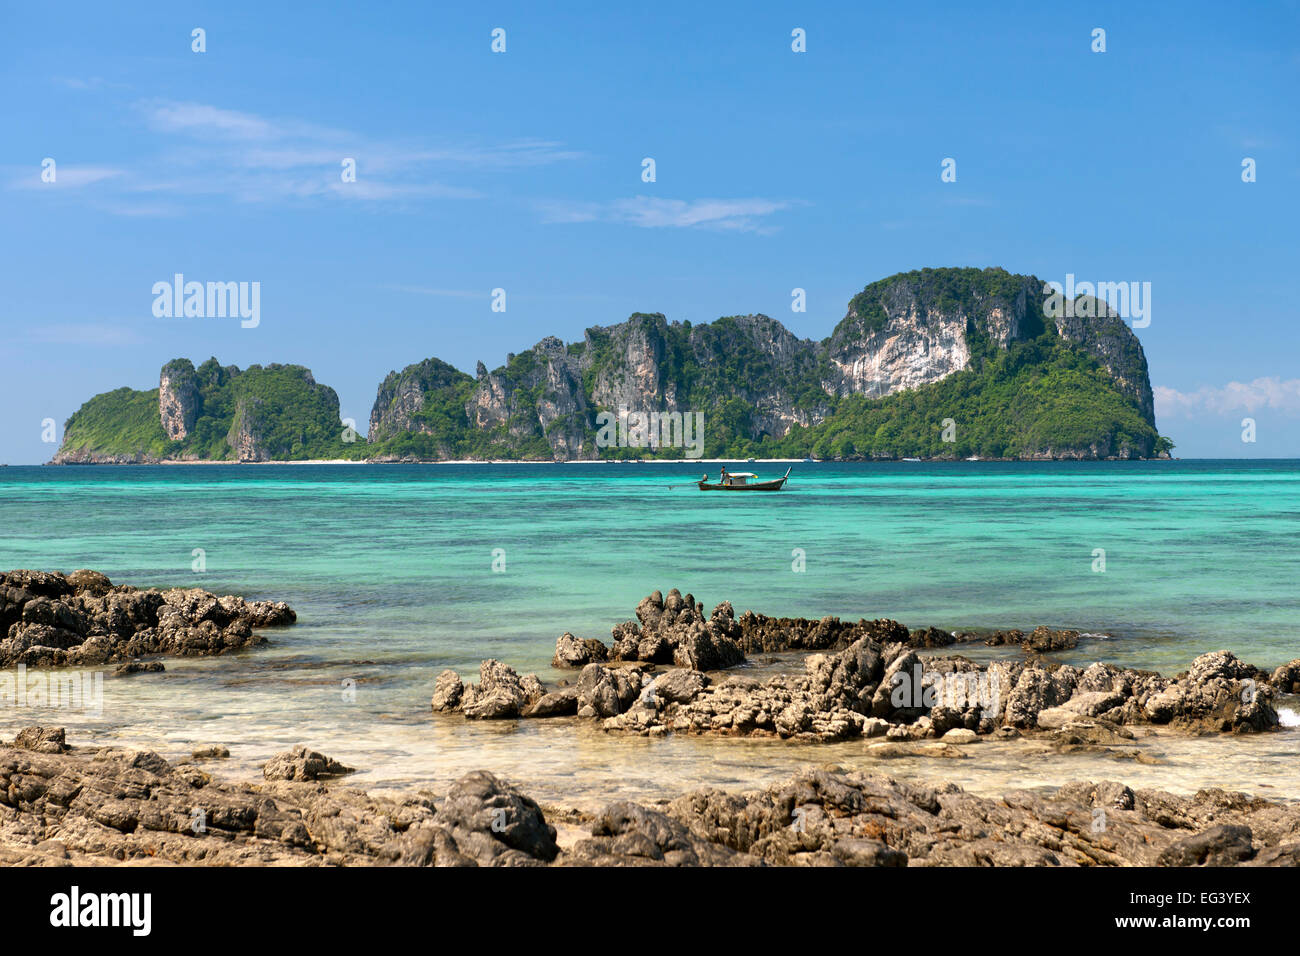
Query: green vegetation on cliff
{"points": [[123, 422], [1001, 381], [271, 413], [1037, 398]]}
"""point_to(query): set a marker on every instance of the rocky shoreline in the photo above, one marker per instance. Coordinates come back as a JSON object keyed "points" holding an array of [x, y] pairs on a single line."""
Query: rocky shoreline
{"points": [[49, 619], [64, 806], [669, 671], [867, 679]]}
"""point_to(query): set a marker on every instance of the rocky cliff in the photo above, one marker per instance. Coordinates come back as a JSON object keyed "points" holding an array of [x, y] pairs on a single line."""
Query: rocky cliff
{"points": [[945, 363], [764, 390], [179, 398], [209, 413]]}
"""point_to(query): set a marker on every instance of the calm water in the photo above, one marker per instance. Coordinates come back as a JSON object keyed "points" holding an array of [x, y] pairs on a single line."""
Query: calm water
{"points": [[391, 570]]}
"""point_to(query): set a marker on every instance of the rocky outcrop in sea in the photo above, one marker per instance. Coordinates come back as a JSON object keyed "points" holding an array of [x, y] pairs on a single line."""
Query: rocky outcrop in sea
{"points": [[868, 680], [50, 619]]}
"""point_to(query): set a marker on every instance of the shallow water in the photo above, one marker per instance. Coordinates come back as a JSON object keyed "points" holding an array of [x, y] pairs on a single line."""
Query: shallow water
{"points": [[391, 571]]}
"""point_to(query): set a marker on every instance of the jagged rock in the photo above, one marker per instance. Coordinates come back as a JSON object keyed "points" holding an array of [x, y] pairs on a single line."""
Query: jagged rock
{"points": [[1287, 678], [495, 824], [90, 582], [1087, 704], [897, 683], [1286, 855], [179, 398], [447, 691], [1223, 845], [1108, 795], [1036, 690], [1005, 638], [211, 752], [301, 763], [673, 629], [109, 806], [104, 806], [560, 703], [762, 634], [1218, 664], [1041, 640], [680, 686], [573, 652], [851, 678], [1044, 639], [139, 667], [49, 620], [45, 740], [930, 637], [628, 834], [500, 692], [1219, 693], [703, 649], [606, 691]]}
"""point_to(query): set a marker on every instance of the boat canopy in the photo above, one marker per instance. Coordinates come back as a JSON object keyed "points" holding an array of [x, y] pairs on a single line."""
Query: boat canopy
{"points": [[741, 474]]}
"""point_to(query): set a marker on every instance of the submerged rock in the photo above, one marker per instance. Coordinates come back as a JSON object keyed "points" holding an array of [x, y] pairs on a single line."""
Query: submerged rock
{"points": [[139, 667], [211, 752], [1041, 640], [303, 764]]}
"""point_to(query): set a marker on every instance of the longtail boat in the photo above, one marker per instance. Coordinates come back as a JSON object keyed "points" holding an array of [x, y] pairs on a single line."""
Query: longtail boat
{"points": [[743, 481]]}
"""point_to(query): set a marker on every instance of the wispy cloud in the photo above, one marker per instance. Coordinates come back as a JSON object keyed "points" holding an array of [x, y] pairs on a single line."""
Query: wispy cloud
{"points": [[79, 83], [200, 119], [739, 215], [209, 151], [1273, 394], [65, 177], [532, 152]]}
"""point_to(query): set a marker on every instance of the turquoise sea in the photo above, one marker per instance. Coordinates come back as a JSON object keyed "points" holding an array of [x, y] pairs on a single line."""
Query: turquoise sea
{"points": [[398, 571]]}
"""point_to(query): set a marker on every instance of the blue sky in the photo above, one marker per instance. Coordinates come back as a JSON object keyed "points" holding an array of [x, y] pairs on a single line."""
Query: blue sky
{"points": [[522, 170]]}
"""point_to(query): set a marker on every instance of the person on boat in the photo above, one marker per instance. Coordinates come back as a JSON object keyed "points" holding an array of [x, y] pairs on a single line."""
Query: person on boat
{"points": [[723, 480]]}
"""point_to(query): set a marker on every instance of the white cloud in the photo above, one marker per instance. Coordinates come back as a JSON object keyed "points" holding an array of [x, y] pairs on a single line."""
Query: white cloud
{"points": [[1268, 393], [211, 151], [740, 215], [507, 155], [201, 119], [65, 177]]}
